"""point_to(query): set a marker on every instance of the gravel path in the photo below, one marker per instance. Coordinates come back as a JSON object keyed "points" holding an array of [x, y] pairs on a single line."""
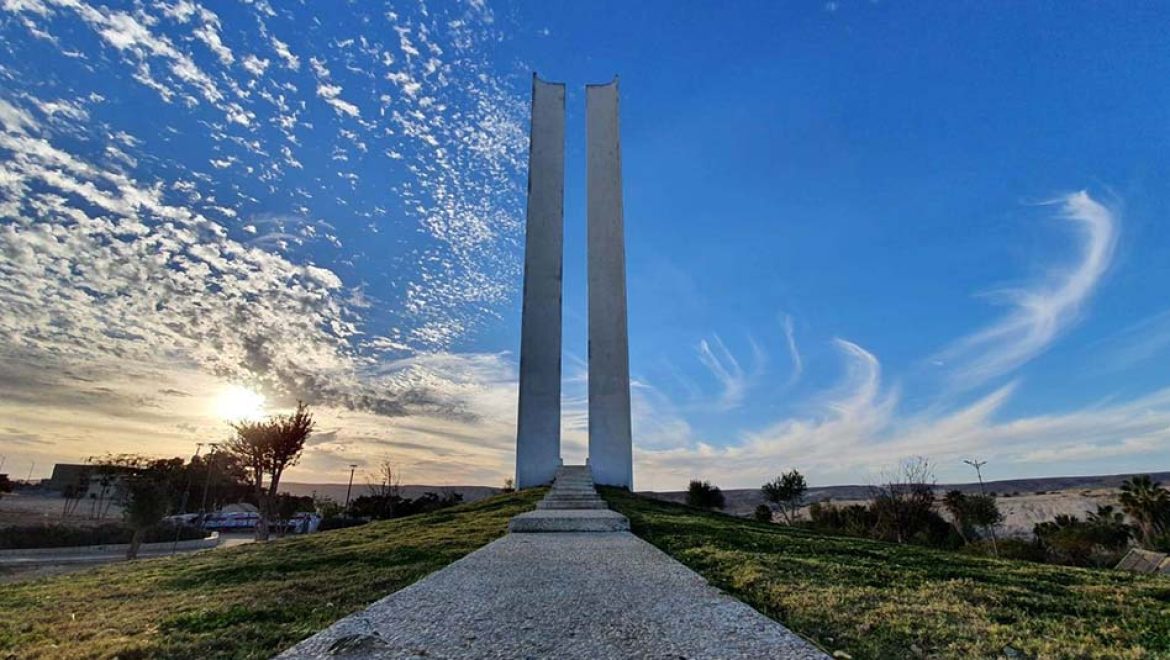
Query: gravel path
{"points": [[562, 595]]}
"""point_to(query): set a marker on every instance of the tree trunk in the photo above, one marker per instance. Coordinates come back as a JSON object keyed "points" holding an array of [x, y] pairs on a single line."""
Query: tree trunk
{"points": [[262, 503], [135, 543]]}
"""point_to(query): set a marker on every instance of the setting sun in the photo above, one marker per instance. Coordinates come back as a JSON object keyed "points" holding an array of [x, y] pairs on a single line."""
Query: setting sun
{"points": [[238, 403]]}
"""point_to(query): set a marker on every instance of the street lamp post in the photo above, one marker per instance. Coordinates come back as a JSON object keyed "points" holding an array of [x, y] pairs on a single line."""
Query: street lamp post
{"points": [[352, 467], [978, 465]]}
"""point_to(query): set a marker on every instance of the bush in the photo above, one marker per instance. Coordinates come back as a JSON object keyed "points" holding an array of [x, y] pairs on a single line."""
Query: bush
{"points": [[1009, 548], [703, 495], [64, 536], [340, 522], [1098, 541], [763, 513], [852, 520]]}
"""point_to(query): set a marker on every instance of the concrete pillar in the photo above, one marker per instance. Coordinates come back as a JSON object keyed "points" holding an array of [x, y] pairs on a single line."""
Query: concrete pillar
{"points": [[538, 433], [610, 445]]}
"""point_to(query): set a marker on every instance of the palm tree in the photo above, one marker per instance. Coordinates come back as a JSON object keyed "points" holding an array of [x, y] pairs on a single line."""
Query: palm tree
{"points": [[1148, 504]]}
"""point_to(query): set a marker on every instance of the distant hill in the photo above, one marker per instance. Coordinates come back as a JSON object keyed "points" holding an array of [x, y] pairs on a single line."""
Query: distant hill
{"points": [[336, 492], [741, 501]]}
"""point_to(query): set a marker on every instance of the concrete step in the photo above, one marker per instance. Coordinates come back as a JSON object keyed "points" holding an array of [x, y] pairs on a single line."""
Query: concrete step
{"points": [[574, 490], [574, 504], [589, 520], [572, 496], [570, 500]]}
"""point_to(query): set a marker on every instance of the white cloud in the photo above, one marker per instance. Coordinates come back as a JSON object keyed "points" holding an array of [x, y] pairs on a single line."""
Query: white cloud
{"points": [[726, 370], [1040, 313], [793, 351], [283, 52], [856, 429]]}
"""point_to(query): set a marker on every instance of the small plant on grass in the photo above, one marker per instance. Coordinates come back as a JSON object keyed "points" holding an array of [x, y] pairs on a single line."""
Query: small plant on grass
{"points": [[704, 495], [763, 513]]}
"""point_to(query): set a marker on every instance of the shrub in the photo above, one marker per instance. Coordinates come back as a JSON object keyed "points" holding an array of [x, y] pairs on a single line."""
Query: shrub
{"points": [[1009, 548], [703, 495], [763, 513], [852, 520], [1098, 541], [65, 536], [340, 522]]}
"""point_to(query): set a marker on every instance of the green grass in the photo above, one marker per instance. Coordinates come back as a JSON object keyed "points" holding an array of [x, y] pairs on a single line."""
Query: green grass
{"points": [[880, 600], [246, 602]]}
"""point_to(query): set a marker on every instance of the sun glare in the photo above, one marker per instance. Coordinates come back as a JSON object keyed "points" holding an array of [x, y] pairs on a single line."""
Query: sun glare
{"points": [[238, 403]]}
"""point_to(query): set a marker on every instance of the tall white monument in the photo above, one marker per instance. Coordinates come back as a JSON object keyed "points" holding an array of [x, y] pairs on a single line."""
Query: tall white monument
{"points": [[538, 433], [610, 445]]}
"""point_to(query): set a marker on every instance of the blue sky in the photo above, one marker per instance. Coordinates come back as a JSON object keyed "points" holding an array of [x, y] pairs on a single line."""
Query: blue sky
{"points": [[856, 231]]}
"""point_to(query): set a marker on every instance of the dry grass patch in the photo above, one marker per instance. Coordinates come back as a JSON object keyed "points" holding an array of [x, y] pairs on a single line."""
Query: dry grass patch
{"points": [[245, 602], [880, 600]]}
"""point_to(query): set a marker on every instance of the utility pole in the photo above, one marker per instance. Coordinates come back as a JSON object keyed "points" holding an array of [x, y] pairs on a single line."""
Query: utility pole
{"points": [[978, 465], [352, 467]]}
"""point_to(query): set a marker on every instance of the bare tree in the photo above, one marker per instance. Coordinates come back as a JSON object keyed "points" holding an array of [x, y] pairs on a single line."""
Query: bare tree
{"points": [[904, 501], [267, 448], [385, 481]]}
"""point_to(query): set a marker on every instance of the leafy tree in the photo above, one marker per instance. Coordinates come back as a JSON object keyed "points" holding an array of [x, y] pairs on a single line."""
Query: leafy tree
{"points": [[955, 502], [787, 492], [267, 448], [6, 485], [145, 503], [763, 513], [143, 486], [1148, 504], [703, 495]]}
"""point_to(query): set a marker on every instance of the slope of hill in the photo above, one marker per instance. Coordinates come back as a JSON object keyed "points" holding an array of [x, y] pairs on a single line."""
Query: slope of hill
{"points": [[881, 600], [336, 492], [249, 601]]}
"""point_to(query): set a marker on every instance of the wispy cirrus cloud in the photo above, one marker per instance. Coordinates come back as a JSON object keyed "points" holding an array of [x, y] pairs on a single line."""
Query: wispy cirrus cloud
{"points": [[1040, 313], [793, 351], [726, 370], [858, 428]]}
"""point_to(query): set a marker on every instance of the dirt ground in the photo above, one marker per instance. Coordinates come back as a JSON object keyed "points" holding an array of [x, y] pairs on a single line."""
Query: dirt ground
{"points": [[23, 508]]}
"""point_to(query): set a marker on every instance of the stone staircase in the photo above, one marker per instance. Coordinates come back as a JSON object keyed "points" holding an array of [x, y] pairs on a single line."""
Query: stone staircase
{"points": [[572, 505]]}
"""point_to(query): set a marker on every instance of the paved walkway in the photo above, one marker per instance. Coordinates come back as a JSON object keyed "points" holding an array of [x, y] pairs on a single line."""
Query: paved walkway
{"points": [[559, 595], [569, 582]]}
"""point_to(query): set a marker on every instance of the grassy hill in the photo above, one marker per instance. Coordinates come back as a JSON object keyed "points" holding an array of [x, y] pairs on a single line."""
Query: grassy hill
{"points": [[868, 599], [245, 602], [879, 600]]}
